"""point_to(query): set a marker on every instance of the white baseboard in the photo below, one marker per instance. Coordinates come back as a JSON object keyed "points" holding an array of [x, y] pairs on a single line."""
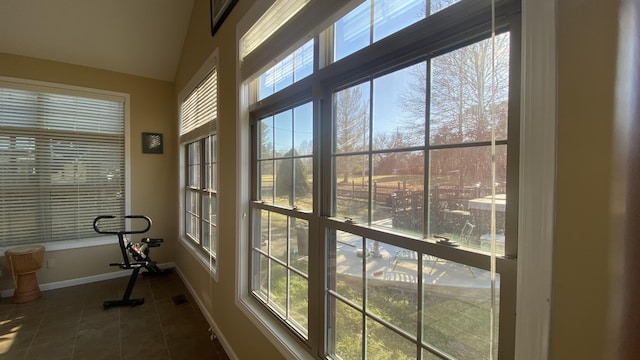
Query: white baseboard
{"points": [[214, 327], [84, 280]]}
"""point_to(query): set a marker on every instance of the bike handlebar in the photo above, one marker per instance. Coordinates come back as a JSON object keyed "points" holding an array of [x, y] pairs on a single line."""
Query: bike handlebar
{"points": [[101, 217]]}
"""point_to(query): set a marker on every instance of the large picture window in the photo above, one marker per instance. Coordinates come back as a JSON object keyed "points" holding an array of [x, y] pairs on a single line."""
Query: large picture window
{"points": [[383, 184], [62, 162]]}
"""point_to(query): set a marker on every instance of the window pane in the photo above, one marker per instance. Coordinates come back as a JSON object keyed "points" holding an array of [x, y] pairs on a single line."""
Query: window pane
{"points": [[399, 102], [214, 209], [278, 237], [355, 31], [267, 83], [193, 215], [399, 191], [261, 288], [300, 250], [214, 241], [284, 182], [460, 200], [299, 302], [261, 241], [213, 177], [393, 15], [352, 32], [209, 208], [192, 228], [303, 61], [392, 285], [293, 182], [266, 181], [284, 73], [351, 119], [457, 308], [214, 148], [303, 129], [426, 355], [382, 343], [346, 324], [294, 67], [283, 126], [352, 187], [346, 276], [210, 161], [207, 229], [303, 178], [461, 93], [437, 5], [278, 288], [265, 138], [193, 152]]}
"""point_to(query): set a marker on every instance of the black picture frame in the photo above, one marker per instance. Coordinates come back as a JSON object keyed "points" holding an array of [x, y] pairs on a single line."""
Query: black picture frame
{"points": [[152, 143], [220, 9]]}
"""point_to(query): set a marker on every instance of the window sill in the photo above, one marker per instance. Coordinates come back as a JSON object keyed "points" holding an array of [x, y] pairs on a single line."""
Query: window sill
{"points": [[286, 343], [207, 263], [69, 244]]}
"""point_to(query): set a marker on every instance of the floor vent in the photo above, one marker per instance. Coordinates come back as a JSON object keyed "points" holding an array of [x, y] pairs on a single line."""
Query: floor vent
{"points": [[179, 299]]}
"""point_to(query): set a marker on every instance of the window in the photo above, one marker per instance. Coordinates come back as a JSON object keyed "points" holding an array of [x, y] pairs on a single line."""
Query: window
{"points": [[201, 193], [200, 165], [62, 161], [405, 245]]}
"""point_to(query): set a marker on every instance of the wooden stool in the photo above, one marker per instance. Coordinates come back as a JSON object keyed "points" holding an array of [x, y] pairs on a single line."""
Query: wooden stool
{"points": [[24, 261]]}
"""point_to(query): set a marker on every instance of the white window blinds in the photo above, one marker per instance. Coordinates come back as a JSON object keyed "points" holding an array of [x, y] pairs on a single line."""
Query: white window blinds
{"points": [[62, 161], [278, 14], [201, 106], [282, 27]]}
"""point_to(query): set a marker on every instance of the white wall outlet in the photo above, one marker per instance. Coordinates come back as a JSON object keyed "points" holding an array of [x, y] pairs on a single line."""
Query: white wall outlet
{"points": [[51, 263]]}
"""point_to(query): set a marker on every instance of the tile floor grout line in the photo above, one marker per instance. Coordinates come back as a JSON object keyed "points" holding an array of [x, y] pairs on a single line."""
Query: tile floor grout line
{"points": [[164, 335], [26, 354], [119, 327], [75, 338]]}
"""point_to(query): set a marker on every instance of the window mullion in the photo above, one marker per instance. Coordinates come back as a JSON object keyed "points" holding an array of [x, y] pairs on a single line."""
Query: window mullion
{"points": [[426, 226]]}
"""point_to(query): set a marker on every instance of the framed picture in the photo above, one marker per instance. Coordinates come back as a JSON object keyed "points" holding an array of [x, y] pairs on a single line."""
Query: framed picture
{"points": [[151, 143], [220, 9]]}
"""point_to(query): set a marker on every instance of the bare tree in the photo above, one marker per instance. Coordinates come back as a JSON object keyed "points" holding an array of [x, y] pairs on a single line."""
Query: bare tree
{"points": [[351, 120], [467, 92]]}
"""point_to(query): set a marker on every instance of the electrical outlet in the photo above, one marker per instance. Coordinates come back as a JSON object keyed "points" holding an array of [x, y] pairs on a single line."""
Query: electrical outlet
{"points": [[51, 263]]}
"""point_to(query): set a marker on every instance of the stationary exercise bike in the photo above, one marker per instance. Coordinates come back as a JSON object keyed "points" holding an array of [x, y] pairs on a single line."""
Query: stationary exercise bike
{"points": [[135, 257]]}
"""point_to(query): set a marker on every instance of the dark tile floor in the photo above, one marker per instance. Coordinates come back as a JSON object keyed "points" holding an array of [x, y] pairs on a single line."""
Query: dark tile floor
{"points": [[71, 323]]}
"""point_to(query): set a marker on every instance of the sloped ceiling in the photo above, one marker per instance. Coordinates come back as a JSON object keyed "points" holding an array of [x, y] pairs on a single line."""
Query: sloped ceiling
{"points": [[138, 37]]}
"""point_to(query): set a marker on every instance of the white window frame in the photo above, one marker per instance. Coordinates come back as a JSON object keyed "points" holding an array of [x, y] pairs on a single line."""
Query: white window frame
{"points": [[537, 187], [87, 92], [204, 258]]}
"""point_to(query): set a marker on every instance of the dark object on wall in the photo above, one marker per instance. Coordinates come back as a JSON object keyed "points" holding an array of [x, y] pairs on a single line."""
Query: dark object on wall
{"points": [[220, 9], [151, 143]]}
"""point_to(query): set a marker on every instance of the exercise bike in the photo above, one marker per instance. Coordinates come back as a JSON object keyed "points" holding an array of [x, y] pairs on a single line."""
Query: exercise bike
{"points": [[135, 256]]}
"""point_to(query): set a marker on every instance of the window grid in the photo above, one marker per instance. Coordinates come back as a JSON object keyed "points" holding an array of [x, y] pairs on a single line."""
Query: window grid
{"points": [[201, 194], [416, 239]]}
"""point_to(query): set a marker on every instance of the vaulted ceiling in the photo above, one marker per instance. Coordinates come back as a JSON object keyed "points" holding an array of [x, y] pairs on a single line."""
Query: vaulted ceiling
{"points": [[138, 37]]}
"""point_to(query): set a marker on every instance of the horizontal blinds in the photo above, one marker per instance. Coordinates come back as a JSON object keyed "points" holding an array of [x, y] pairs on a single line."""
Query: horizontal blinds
{"points": [[285, 26], [278, 14], [61, 165], [201, 106]]}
